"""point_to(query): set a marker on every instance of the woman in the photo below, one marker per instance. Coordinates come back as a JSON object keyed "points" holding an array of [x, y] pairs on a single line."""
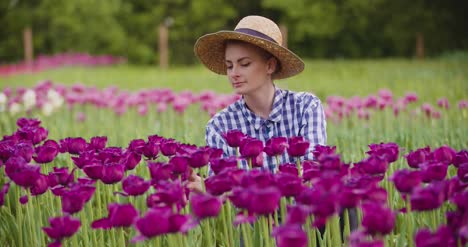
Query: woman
{"points": [[252, 57]]}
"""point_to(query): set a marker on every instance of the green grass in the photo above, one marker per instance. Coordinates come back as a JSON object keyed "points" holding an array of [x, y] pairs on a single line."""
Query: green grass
{"points": [[430, 79]]}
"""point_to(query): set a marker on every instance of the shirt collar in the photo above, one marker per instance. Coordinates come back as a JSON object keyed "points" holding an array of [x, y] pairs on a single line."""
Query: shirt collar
{"points": [[275, 114]]}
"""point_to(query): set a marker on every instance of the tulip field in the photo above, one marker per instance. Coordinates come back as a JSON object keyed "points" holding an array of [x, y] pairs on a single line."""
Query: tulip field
{"points": [[101, 156]]}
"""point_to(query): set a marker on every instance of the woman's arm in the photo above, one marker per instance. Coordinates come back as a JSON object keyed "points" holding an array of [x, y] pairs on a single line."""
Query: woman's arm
{"points": [[314, 126]]}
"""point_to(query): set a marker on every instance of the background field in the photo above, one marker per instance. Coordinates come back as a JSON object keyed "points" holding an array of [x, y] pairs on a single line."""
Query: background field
{"points": [[430, 80]]}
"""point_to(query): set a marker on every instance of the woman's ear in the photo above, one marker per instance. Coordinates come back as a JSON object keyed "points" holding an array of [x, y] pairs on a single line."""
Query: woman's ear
{"points": [[272, 64]]}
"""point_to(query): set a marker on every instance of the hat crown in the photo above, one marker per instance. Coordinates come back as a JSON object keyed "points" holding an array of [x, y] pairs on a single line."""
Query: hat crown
{"points": [[262, 25]]}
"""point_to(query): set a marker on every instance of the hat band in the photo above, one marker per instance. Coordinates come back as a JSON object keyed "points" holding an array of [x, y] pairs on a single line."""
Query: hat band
{"points": [[255, 33]]}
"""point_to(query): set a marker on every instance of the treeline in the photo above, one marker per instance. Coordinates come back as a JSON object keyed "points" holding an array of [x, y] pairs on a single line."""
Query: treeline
{"points": [[316, 28]]}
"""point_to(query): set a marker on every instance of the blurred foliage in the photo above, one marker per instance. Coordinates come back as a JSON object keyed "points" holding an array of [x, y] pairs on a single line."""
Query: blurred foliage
{"points": [[318, 28]]}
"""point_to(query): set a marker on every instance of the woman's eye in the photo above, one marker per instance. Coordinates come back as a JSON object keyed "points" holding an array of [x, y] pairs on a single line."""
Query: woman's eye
{"points": [[245, 64]]}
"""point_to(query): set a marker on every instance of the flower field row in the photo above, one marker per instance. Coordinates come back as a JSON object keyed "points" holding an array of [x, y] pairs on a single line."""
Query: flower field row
{"points": [[43, 62], [82, 192], [48, 97]]}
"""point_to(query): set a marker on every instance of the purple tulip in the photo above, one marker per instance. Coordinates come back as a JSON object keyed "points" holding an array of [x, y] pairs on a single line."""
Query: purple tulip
{"points": [[288, 184], [373, 165], [276, 146], [60, 176], [73, 145], [217, 165], [444, 154], [120, 215], [24, 150], [131, 160], [462, 172], [377, 219], [375, 195], [74, 199], [21, 173], [179, 164], [147, 227], [323, 202], [350, 197], [94, 170], [264, 200], [460, 158], [415, 158], [320, 150], [168, 194], [234, 138], [429, 197], [159, 171], [151, 150], [461, 200], [240, 197], [40, 186], [85, 158], [3, 192], [24, 199], [97, 143], [112, 173], [290, 235], [137, 146], [28, 122], [33, 134], [7, 150], [217, 185], [388, 151], [169, 147], [289, 168], [62, 227], [134, 185], [358, 238], [205, 205], [199, 158], [298, 147], [47, 152], [406, 180], [433, 171], [297, 214], [258, 178], [251, 148], [443, 237]]}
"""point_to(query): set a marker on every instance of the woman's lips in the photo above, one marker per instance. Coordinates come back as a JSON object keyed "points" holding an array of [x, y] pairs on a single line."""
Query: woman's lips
{"points": [[237, 84]]}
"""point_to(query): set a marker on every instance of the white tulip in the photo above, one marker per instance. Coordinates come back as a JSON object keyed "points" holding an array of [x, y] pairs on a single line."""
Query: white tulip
{"points": [[15, 108], [29, 99], [3, 101], [55, 98], [47, 108]]}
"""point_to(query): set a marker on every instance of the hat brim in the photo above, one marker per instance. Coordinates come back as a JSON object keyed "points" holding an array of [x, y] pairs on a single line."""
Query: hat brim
{"points": [[210, 50]]}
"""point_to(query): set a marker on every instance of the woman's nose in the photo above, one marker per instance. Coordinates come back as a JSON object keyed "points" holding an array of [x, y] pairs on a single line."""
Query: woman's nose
{"points": [[234, 71]]}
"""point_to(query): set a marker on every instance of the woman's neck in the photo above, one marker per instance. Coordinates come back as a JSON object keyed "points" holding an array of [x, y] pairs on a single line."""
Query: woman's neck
{"points": [[260, 101]]}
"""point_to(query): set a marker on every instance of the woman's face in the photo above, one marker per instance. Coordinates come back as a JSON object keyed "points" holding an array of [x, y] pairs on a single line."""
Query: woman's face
{"points": [[248, 68]]}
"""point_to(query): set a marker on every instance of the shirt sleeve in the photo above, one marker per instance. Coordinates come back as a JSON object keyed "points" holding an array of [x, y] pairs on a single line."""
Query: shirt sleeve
{"points": [[314, 126], [214, 139]]}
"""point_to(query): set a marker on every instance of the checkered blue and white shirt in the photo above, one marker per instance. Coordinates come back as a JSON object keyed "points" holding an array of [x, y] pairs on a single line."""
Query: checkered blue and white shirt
{"points": [[293, 114]]}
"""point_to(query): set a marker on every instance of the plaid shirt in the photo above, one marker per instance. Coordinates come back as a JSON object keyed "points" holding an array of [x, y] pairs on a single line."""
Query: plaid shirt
{"points": [[293, 114]]}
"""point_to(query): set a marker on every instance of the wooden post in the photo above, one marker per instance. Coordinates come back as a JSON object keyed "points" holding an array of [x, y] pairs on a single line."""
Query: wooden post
{"points": [[419, 45], [163, 46], [284, 33], [28, 45]]}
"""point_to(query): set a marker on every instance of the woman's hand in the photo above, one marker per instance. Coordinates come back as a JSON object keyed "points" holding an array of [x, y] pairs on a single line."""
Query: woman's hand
{"points": [[195, 182]]}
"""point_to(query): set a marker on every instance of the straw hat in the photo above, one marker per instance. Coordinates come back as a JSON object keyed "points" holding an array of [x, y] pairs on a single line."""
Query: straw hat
{"points": [[253, 29]]}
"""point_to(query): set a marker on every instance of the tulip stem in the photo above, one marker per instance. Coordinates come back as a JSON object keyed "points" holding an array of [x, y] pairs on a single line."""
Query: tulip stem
{"points": [[410, 222], [250, 163], [299, 168], [347, 227], [283, 209]]}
